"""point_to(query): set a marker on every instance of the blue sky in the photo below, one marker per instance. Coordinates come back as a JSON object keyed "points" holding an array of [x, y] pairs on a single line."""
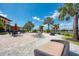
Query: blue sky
{"points": [[24, 12]]}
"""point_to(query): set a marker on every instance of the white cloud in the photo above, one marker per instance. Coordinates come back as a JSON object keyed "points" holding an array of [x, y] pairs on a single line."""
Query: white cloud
{"points": [[55, 14], [45, 25], [36, 27], [66, 25], [2, 14], [36, 18]]}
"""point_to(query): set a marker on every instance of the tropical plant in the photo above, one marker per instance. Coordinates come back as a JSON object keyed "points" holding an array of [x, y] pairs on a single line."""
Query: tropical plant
{"points": [[41, 28], [56, 27], [35, 31], [48, 21], [1, 25], [29, 25], [66, 12]]}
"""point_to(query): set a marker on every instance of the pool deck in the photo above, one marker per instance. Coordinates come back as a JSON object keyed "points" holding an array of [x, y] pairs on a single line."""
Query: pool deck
{"points": [[24, 44]]}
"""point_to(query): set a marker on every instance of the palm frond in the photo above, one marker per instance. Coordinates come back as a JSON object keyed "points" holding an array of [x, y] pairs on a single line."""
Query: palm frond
{"points": [[48, 20], [67, 17], [63, 12]]}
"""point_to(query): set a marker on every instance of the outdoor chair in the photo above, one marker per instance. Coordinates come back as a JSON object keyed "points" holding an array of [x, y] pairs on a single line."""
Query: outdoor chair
{"points": [[53, 48], [14, 33]]}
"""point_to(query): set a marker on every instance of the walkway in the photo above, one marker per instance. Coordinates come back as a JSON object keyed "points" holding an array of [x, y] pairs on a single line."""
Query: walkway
{"points": [[26, 43]]}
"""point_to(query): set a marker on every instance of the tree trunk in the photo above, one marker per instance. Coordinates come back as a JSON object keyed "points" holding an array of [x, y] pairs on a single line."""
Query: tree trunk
{"points": [[75, 27], [48, 27]]}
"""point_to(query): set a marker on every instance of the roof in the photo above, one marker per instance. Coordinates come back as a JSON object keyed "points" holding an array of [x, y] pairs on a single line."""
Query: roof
{"points": [[5, 18]]}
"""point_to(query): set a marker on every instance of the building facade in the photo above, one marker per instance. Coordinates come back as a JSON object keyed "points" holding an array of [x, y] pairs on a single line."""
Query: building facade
{"points": [[4, 23]]}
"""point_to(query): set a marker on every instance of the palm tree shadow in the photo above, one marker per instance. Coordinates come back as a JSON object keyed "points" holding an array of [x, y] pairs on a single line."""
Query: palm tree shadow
{"points": [[73, 54]]}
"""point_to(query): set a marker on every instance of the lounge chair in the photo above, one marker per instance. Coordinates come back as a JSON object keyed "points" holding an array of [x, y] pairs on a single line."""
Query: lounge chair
{"points": [[53, 48]]}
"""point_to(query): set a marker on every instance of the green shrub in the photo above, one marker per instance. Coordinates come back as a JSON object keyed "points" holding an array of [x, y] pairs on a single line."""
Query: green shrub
{"points": [[67, 37], [47, 31], [35, 31], [66, 34], [3, 33], [58, 33]]}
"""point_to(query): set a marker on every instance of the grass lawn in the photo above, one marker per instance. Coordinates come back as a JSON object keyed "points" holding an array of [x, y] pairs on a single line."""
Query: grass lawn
{"points": [[67, 38]]}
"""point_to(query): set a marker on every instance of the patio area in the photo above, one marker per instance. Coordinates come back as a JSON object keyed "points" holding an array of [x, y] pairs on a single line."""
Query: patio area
{"points": [[24, 44]]}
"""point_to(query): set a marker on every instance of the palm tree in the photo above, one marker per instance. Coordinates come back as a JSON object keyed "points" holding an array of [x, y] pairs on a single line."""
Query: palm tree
{"points": [[41, 28], [48, 21], [67, 11], [56, 27], [29, 25]]}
